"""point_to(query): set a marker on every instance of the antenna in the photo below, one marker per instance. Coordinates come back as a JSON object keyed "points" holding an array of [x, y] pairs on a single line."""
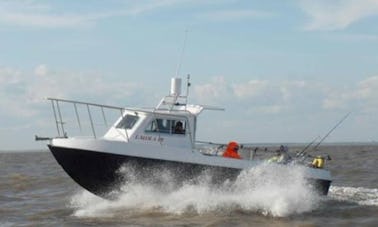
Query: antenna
{"points": [[182, 54], [187, 88]]}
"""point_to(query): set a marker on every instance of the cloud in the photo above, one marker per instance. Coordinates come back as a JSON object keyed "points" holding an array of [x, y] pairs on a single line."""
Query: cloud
{"points": [[363, 97], [269, 109], [35, 14], [12, 93], [253, 103], [290, 96], [273, 97], [234, 15], [41, 70], [250, 89], [24, 110], [343, 37], [50, 83], [9, 76], [48, 15], [145, 6], [23, 94], [262, 96], [338, 14], [211, 92]]}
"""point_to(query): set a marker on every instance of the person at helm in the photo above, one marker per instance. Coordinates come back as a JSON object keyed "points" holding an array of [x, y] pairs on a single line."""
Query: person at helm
{"points": [[232, 150]]}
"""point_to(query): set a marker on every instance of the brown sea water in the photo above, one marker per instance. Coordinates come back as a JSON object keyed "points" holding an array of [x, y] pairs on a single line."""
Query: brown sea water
{"points": [[35, 191]]}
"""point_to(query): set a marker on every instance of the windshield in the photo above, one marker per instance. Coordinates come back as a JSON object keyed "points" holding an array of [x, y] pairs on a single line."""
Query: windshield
{"points": [[128, 122]]}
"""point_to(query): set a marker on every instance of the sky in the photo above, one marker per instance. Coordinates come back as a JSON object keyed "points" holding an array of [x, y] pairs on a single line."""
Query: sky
{"points": [[285, 71]]}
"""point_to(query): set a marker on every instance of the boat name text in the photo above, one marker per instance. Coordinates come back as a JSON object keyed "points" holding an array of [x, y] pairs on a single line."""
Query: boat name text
{"points": [[149, 138]]}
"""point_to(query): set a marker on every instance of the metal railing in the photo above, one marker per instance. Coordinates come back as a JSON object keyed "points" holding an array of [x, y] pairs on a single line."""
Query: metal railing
{"points": [[58, 116]]}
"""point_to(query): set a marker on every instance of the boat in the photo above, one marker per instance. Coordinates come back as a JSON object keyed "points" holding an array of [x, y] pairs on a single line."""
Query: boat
{"points": [[148, 139]]}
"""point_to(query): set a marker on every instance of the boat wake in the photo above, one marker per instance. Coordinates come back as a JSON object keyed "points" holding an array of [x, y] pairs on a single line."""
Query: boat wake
{"points": [[359, 195], [272, 190]]}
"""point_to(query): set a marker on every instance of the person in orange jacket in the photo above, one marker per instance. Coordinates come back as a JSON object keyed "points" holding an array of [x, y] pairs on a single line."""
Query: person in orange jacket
{"points": [[232, 150]]}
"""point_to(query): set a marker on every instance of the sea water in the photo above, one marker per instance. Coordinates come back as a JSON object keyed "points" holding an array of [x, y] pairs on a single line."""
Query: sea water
{"points": [[35, 191]]}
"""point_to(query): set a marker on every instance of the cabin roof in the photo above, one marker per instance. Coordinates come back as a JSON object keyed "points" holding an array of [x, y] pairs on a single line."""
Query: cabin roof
{"points": [[181, 110]]}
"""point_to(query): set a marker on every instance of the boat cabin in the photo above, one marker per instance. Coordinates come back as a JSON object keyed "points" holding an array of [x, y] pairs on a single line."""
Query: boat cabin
{"points": [[171, 123], [176, 128]]}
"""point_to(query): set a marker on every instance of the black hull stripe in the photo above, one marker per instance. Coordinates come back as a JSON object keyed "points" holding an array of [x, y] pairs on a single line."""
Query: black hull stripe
{"points": [[98, 172]]}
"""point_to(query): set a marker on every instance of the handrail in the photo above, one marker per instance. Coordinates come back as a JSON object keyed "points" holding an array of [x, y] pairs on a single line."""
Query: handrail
{"points": [[86, 103], [59, 117], [56, 119]]}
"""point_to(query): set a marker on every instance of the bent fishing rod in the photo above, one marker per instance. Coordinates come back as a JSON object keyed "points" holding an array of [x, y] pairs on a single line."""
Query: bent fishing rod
{"points": [[324, 137], [307, 146]]}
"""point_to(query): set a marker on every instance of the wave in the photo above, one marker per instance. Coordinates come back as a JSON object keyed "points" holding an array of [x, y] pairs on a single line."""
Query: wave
{"points": [[359, 195], [6, 224], [272, 190]]}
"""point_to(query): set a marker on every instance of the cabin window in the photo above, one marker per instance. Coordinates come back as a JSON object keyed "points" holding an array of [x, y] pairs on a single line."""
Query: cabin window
{"points": [[168, 126], [128, 122], [179, 127]]}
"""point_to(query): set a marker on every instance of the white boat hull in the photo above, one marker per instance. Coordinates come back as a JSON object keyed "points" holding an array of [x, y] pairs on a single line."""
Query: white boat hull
{"points": [[95, 164]]}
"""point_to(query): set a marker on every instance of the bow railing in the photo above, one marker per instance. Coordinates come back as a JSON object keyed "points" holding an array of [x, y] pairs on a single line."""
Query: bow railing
{"points": [[85, 114]]}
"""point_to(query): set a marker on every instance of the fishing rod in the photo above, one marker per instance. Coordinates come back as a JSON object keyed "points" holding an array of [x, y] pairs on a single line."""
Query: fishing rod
{"points": [[330, 131], [308, 145], [324, 137]]}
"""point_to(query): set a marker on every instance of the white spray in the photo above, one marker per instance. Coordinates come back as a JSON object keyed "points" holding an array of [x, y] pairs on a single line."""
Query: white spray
{"points": [[274, 190]]}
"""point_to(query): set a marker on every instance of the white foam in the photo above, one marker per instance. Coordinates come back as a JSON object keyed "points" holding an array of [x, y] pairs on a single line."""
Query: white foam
{"points": [[360, 195], [274, 190], [6, 224]]}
